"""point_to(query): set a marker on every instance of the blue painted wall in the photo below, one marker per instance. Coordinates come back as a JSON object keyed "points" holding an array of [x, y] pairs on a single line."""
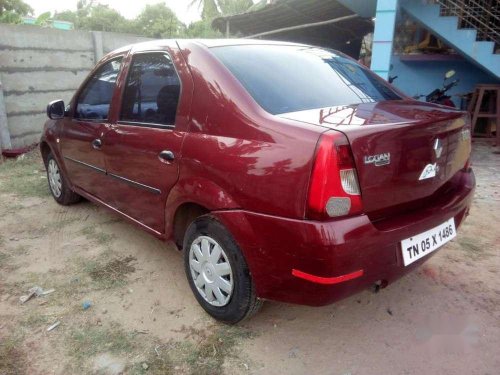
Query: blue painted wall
{"points": [[383, 36], [421, 77]]}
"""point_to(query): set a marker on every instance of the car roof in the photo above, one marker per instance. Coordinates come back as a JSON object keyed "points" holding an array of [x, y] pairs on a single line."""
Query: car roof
{"points": [[159, 44], [240, 42], [209, 43]]}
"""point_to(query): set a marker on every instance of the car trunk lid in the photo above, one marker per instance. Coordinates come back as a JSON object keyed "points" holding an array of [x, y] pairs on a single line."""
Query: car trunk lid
{"points": [[404, 151]]}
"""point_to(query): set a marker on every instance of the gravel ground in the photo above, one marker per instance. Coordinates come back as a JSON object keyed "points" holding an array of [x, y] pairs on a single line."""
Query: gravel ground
{"points": [[124, 306]]}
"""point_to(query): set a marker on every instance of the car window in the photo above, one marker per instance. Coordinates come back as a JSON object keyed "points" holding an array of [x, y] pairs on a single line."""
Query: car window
{"points": [[294, 78], [152, 91], [95, 98]]}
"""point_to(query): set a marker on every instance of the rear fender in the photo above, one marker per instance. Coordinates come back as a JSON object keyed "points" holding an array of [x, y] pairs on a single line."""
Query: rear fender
{"points": [[199, 191]]}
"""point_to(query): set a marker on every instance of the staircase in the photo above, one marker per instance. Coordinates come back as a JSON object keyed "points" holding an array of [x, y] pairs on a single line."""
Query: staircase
{"points": [[471, 27]]}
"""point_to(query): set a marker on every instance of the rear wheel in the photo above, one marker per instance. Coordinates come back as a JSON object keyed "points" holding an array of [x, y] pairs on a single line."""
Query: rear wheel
{"points": [[217, 272], [58, 184]]}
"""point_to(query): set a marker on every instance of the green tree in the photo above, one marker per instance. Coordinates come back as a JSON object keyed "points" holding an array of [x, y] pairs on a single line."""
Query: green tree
{"points": [[43, 19], [68, 16], [202, 29], [97, 17], [158, 21], [103, 18], [229, 7], [12, 11], [215, 8], [209, 8]]}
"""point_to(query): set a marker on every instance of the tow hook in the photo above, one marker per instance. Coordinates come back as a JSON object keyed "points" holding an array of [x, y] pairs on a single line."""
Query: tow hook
{"points": [[380, 284]]}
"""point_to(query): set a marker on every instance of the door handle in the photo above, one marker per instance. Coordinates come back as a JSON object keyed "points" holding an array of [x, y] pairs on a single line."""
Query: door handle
{"points": [[166, 155], [96, 144]]}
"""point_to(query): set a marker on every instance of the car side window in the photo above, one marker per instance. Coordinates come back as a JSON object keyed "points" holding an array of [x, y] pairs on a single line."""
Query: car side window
{"points": [[95, 98], [152, 90]]}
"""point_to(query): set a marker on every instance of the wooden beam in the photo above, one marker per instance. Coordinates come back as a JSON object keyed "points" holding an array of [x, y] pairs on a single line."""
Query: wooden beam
{"points": [[303, 26]]}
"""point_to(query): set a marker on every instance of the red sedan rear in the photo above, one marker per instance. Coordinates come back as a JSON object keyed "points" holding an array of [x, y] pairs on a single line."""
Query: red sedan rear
{"points": [[285, 172]]}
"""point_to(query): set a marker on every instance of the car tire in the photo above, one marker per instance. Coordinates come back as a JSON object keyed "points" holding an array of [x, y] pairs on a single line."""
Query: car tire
{"points": [[208, 269], [58, 183]]}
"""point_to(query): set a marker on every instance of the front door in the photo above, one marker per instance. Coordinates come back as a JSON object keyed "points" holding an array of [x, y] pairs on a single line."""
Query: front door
{"points": [[84, 131], [143, 148]]}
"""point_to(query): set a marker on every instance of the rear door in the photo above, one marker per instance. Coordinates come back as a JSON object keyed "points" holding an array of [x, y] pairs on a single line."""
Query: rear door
{"points": [[143, 148], [83, 133]]}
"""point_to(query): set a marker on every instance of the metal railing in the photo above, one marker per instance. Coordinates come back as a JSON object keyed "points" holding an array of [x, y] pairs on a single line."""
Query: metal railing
{"points": [[481, 15]]}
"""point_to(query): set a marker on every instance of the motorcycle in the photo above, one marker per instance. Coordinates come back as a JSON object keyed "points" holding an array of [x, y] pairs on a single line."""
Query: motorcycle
{"points": [[439, 96]]}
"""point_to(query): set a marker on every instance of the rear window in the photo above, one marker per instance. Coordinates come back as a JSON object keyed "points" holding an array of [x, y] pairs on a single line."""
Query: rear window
{"points": [[294, 78]]}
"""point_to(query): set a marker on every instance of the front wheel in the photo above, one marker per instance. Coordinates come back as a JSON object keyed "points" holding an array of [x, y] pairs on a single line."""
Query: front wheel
{"points": [[217, 272], [58, 184]]}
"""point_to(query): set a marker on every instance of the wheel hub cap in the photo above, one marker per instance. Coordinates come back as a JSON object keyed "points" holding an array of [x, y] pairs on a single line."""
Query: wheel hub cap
{"points": [[211, 271], [54, 176], [208, 272]]}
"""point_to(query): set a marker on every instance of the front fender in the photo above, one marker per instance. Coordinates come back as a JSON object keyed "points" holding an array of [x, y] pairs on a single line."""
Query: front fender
{"points": [[51, 137], [196, 190]]}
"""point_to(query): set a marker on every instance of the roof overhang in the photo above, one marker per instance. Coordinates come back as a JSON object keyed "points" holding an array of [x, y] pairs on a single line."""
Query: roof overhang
{"points": [[326, 23]]}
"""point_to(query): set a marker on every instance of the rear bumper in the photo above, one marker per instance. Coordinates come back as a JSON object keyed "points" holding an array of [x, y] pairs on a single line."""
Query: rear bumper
{"points": [[275, 246]]}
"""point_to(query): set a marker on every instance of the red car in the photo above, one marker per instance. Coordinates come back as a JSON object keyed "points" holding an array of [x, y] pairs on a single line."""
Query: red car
{"points": [[286, 172]]}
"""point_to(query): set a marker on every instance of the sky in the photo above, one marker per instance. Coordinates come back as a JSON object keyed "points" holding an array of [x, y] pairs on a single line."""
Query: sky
{"points": [[127, 8]]}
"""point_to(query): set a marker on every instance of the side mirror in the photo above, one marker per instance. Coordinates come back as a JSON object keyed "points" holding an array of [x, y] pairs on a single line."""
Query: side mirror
{"points": [[449, 74], [55, 109]]}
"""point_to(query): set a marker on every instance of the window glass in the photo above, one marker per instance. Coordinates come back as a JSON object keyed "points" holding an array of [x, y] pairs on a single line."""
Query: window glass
{"points": [[294, 78], [152, 90], [95, 99]]}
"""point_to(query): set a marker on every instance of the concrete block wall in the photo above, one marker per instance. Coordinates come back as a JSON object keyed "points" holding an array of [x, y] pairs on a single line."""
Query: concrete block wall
{"points": [[38, 65]]}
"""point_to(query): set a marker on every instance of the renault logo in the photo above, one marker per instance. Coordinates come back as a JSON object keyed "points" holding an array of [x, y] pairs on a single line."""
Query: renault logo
{"points": [[438, 147]]}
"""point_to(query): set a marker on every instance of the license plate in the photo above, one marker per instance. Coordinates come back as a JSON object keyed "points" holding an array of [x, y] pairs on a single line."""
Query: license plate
{"points": [[420, 245]]}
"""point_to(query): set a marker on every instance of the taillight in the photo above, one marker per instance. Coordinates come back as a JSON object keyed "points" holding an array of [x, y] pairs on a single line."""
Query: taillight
{"points": [[334, 188]]}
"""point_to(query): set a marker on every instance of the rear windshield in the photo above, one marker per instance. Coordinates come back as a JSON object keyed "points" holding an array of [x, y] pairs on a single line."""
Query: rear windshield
{"points": [[294, 78]]}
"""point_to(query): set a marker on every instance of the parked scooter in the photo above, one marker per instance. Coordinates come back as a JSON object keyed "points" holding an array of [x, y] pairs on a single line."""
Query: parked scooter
{"points": [[439, 96]]}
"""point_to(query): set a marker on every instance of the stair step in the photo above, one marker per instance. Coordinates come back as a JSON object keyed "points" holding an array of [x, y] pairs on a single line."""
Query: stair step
{"points": [[463, 40], [482, 49]]}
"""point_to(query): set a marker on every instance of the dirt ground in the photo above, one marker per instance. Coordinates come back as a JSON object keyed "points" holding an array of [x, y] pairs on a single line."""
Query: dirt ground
{"points": [[124, 305]]}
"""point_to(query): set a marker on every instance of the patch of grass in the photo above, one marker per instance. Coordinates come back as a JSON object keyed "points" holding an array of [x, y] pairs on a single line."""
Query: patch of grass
{"points": [[110, 274], [209, 354], [157, 365], [111, 220], [101, 238], [24, 177], [34, 319], [202, 353], [85, 342], [46, 280], [6, 262], [105, 272], [8, 207], [62, 223], [21, 250], [11, 357], [3, 259]]}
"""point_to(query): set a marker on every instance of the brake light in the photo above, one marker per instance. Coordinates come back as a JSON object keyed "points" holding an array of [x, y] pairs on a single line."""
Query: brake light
{"points": [[334, 188]]}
